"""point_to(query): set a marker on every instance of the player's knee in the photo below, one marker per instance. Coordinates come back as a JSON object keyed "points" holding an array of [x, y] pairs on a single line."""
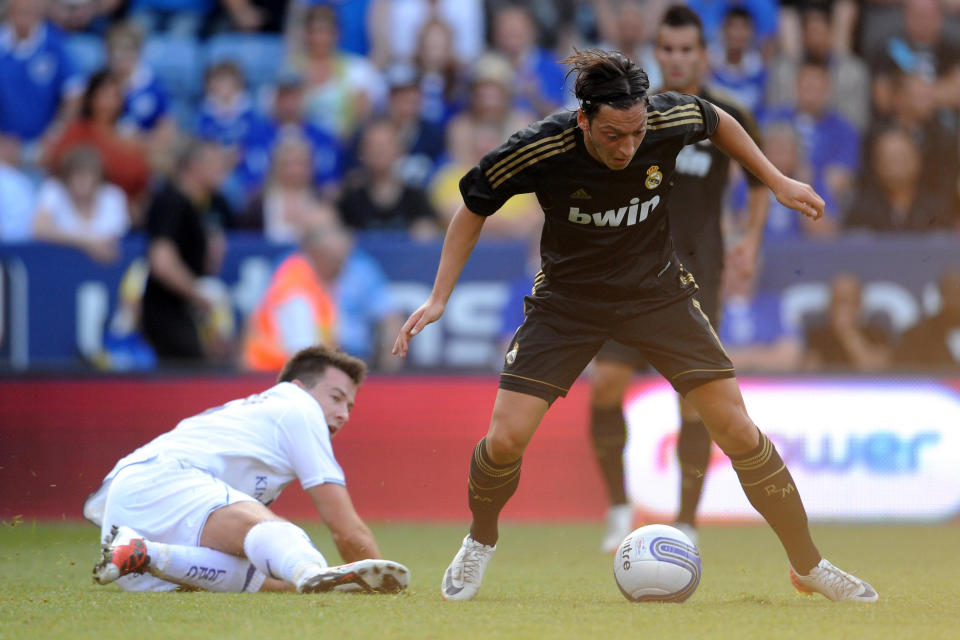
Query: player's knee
{"points": [[733, 430], [504, 446]]}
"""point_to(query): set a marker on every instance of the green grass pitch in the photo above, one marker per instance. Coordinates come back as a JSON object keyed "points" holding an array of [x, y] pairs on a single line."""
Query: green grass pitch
{"points": [[546, 581]]}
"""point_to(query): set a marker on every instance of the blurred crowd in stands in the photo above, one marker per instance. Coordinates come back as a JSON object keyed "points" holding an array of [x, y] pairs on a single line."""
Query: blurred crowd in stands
{"points": [[310, 120]]}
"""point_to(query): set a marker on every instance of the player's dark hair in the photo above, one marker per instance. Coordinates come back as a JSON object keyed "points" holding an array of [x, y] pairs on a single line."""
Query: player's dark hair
{"points": [[307, 365], [679, 16], [606, 77]]}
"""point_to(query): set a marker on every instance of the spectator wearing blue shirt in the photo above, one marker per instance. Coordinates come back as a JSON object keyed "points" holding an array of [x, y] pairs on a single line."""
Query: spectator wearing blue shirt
{"points": [[146, 103], [442, 78], [762, 13], [286, 119], [227, 117], [38, 85], [352, 19], [783, 148], [831, 143], [226, 114], [754, 332], [539, 81], [423, 143], [738, 66]]}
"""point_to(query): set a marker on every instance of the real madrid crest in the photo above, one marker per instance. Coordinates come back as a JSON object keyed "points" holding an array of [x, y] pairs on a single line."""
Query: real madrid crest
{"points": [[654, 177], [512, 354]]}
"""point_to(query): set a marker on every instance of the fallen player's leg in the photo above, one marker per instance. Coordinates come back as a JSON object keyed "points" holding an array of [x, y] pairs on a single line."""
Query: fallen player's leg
{"points": [[125, 552]]}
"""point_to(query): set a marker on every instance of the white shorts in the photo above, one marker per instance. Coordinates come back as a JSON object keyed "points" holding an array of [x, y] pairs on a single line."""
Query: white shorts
{"points": [[167, 501]]}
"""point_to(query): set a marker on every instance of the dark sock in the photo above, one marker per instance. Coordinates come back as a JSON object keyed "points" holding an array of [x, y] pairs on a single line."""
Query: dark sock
{"points": [[693, 452], [608, 434], [489, 486], [771, 490]]}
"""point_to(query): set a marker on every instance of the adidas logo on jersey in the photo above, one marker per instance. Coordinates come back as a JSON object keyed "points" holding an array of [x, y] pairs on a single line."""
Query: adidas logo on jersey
{"points": [[628, 215], [580, 194]]}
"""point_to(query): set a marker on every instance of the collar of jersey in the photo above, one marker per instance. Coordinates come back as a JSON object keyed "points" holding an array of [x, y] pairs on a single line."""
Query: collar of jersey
{"points": [[24, 48]]}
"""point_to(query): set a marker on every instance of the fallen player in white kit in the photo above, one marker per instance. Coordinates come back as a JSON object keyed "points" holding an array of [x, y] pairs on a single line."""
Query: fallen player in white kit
{"points": [[189, 509]]}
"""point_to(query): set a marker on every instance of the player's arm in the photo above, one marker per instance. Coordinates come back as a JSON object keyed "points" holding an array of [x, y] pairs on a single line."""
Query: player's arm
{"points": [[353, 538], [167, 267], [462, 235], [733, 140]]}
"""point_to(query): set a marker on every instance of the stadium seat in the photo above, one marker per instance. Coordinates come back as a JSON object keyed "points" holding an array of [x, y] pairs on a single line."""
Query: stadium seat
{"points": [[177, 61], [258, 55], [87, 52]]}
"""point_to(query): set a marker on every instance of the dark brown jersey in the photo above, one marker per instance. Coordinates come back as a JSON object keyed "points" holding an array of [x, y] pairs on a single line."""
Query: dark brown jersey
{"points": [[606, 233]]}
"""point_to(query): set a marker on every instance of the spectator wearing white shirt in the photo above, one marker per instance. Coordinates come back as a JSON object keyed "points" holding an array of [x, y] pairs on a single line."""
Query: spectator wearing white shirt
{"points": [[79, 209]]}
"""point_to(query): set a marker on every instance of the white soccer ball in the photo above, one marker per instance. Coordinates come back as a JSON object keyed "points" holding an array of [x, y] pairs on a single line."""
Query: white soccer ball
{"points": [[657, 563]]}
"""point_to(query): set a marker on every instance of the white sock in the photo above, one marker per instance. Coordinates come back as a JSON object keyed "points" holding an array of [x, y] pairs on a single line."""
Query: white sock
{"points": [[203, 568], [281, 550]]}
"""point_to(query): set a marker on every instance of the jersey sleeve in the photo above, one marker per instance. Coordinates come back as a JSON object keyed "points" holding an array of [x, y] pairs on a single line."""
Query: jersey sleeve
{"points": [[304, 440], [511, 168], [681, 115]]}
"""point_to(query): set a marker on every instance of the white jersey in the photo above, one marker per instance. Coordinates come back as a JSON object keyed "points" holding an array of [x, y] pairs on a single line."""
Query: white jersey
{"points": [[257, 445]]}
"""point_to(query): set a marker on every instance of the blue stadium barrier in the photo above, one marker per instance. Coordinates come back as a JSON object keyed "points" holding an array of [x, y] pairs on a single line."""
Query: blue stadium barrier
{"points": [[56, 303]]}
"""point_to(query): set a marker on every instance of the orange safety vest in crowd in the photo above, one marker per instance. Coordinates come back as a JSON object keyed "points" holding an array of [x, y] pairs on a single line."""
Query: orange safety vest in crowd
{"points": [[294, 278]]}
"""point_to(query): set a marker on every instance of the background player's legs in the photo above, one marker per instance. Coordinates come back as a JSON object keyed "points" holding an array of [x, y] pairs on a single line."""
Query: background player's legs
{"points": [[693, 454], [495, 464], [608, 430], [608, 436], [764, 477]]}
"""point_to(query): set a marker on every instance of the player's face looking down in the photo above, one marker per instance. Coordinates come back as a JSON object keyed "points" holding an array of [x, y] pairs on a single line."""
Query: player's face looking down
{"points": [[336, 393], [614, 135], [681, 57]]}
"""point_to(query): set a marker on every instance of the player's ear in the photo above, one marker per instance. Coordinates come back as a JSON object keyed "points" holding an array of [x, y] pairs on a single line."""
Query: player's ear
{"points": [[582, 121]]}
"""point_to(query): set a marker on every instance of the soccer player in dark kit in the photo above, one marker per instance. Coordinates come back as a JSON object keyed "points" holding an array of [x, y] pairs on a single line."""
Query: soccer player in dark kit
{"points": [[700, 179], [603, 175]]}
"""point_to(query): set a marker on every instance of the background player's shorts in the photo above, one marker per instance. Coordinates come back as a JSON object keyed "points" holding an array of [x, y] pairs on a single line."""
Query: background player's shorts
{"points": [[709, 297], [560, 335], [166, 501]]}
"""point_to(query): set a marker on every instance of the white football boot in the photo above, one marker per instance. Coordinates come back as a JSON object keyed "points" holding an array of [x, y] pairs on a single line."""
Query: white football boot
{"points": [[370, 576], [462, 578], [835, 584], [619, 526]]}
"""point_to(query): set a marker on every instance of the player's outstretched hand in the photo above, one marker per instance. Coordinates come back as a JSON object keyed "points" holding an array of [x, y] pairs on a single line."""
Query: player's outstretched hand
{"points": [[799, 196], [429, 311]]}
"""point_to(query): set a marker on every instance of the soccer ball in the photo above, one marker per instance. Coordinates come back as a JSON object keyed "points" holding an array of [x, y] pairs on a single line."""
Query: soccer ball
{"points": [[657, 563]]}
